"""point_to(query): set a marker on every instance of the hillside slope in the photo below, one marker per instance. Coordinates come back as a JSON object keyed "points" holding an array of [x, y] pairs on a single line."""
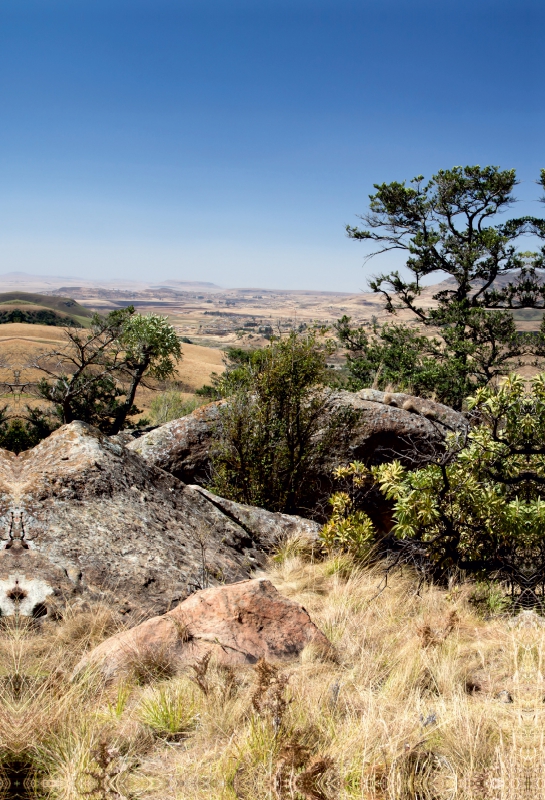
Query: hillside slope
{"points": [[40, 309]]}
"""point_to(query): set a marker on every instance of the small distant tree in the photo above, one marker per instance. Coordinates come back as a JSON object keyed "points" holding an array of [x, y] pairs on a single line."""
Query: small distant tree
{"points": [[276, 424], [150, 348], [79, 376], [93, 376]]}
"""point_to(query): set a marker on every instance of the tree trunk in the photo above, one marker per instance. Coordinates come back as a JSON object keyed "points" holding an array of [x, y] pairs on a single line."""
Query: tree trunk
{"points": [[123, 410]]}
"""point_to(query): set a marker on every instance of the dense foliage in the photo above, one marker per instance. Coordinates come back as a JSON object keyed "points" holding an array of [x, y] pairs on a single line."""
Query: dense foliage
{"points": [[394, 355], [480, 505], [276, 425], [349, 529], [24, 431], [38, 316]]}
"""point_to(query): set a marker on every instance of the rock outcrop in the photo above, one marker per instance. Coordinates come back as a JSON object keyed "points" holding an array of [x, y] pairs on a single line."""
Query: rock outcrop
{"points": [[238, 624], [84, 515], [386, 425], [181, 447]]}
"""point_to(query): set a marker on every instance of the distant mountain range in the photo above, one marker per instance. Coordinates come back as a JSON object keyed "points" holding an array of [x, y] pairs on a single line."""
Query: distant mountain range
{"points": [[10, 281]]}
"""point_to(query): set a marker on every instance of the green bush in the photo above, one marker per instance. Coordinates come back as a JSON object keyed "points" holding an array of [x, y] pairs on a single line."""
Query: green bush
{"points": [[396, 356], [480, 507], [22, 433], [348, 530], [277, 424]]}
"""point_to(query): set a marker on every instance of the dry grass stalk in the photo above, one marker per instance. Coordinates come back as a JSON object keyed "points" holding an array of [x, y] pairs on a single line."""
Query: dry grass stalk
{"points": [[416, 694]]}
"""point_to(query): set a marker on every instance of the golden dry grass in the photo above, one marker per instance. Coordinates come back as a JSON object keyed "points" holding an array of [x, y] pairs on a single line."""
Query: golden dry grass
{"points": [[420, 687], [20, 343]]}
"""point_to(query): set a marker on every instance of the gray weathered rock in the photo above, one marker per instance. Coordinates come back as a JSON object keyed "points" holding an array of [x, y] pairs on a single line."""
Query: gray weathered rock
{"points": [[181, 447], [83, 515], [388, 424]]}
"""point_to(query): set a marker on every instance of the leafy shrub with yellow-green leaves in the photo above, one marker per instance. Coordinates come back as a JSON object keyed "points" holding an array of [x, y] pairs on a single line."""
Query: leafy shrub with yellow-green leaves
{"points": [[480, 505], [348, 530]]}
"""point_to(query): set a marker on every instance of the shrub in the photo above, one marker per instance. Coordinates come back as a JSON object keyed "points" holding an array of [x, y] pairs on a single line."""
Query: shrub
{"points": [[397, 356], [277, 424], [480, 507], [23, 432], [348, 530]]}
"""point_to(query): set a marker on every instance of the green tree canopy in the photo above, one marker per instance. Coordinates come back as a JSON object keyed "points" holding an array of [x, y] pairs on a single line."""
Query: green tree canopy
{"points": [[448, 227]]}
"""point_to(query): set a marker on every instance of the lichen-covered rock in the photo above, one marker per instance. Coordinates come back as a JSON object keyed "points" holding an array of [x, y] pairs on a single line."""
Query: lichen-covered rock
{"points": [[268, 526], [239, 624], [394, 424], [84, 515]]}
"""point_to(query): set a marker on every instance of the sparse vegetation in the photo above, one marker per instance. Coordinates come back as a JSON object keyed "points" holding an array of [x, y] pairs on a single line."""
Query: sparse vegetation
{"points": [[422, 687], [170, 405]]}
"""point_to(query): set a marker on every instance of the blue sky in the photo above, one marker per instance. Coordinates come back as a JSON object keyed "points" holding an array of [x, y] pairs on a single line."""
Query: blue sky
{"points": [[231, 141]]}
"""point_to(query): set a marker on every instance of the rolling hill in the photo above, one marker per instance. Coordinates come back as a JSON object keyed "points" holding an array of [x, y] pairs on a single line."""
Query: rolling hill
{"points": [[33, 308]]}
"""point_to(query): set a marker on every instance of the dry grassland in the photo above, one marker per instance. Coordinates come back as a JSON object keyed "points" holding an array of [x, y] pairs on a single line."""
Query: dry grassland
{"points": [[423, 697], [20, 343]]}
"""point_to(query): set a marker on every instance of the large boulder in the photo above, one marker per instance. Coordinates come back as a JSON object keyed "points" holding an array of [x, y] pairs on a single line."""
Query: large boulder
{"points": [[82, 515], [181, 447], [386, 425], [238, 624]]}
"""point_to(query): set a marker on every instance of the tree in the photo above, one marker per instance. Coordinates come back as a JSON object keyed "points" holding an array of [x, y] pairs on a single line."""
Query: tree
{"points": [[276, 423], [396, 355], [86, 377], [79, 376], [444, 226], [399, 356], [150, 349]]}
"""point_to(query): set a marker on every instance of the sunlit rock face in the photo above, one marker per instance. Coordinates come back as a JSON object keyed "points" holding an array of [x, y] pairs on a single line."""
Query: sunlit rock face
{"points": [[82, 516]]}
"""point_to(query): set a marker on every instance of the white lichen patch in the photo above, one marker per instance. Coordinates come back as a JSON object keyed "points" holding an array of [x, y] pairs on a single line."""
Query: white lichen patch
{"points": [[18, 593]]}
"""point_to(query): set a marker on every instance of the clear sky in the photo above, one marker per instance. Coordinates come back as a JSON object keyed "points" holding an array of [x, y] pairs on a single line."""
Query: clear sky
{"points": [[231, 140]]}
